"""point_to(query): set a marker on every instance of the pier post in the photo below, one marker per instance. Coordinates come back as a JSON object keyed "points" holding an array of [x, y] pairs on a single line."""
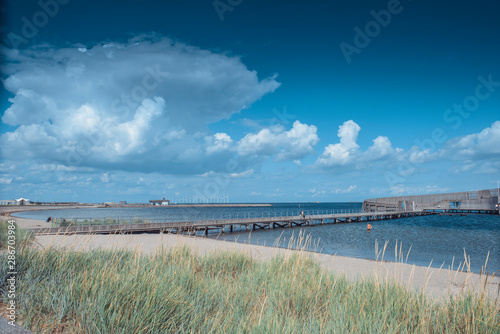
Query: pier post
{"points": [[231, 228], [206, 231]]}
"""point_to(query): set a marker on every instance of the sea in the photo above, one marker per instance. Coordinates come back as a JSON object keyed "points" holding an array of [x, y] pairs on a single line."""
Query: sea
{"points": [[436, 240]]}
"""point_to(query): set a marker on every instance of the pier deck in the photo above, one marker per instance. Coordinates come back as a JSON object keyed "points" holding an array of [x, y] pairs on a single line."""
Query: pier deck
{"points": [[228, 225]]}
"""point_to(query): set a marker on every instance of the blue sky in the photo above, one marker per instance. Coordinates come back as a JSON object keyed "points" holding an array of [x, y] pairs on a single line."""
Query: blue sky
{"points": [[263, 102]]}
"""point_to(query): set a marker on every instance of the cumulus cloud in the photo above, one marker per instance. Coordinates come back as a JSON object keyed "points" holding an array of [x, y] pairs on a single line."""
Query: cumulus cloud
{"points": [[218, 142], [344, 152], [482, 145], [347, 151], [293, 144], [140, 105]]}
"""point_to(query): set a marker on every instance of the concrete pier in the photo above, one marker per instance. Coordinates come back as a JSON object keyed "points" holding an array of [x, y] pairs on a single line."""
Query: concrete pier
{"points": [[480, 201]]}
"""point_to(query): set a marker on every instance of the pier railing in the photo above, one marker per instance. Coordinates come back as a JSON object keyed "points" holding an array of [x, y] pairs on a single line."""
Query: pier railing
{"points": [[89, 221]]}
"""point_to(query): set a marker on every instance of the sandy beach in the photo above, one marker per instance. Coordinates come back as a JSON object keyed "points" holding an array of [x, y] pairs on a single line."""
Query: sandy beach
{"points": [[436, 282]]}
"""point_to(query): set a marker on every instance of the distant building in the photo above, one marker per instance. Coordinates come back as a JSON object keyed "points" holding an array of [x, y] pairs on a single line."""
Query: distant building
{"points": [[123, 202], [22, 201], [19, 201], [160, 202]]}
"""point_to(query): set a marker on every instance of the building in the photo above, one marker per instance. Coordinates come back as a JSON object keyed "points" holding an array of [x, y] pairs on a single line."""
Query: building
{"points": [[7, 202], [22, 201], [160, 202], [479, 200]]}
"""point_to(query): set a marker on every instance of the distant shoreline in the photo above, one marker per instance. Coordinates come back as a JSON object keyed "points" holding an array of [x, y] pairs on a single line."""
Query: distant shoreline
{"points": [[7, 211]]}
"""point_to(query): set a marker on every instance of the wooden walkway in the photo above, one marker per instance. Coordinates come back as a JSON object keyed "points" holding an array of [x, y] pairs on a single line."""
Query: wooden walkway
{"points": [[228, 225]]}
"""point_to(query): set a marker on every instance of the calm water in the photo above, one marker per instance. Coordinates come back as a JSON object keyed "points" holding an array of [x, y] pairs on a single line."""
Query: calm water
{"points": [[437, 238]]}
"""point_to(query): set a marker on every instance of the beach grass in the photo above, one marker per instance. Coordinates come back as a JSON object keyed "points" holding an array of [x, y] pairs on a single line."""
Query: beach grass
{"points": [[179, 291]]}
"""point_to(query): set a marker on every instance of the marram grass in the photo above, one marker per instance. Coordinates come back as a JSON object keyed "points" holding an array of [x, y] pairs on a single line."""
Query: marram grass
{"points": [[178, 291]]}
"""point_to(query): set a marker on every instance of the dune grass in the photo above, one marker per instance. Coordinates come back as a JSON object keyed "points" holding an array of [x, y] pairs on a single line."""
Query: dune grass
{"points": [[63, 291]]}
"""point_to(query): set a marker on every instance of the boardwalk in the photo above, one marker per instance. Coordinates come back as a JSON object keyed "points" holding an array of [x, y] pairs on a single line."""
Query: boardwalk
{"points": [[228, 225]]}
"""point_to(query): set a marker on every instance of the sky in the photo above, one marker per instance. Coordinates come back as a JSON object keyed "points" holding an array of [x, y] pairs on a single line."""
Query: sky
{"points": [[248, 101]]}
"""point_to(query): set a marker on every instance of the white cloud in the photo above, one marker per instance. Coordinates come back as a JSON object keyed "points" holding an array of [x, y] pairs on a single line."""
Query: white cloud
{"points": [[347, 190], [482, 145], [218, 142], [247, 173], [342, 153], [141, 105], [290, 145], [347, 151]]}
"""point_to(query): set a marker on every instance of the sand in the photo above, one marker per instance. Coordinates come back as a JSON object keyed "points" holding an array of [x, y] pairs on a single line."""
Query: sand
{"points": [[436, 282]]}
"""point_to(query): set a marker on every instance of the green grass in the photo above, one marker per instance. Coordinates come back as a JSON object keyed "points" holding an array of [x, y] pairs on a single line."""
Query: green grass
{"points": [[179, 291], [22, 237]]}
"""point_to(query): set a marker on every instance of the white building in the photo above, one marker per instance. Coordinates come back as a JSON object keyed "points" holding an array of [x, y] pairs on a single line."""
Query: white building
{"points": [[160, 202], [22, 201], [19, 201]]}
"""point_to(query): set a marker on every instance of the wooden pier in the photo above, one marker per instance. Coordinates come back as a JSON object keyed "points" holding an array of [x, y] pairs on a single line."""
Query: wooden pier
{"points": [[229, 225]]}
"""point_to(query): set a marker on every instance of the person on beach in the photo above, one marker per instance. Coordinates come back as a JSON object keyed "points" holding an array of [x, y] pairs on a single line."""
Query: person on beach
{"points": [[49, 220], [368, 227]]}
